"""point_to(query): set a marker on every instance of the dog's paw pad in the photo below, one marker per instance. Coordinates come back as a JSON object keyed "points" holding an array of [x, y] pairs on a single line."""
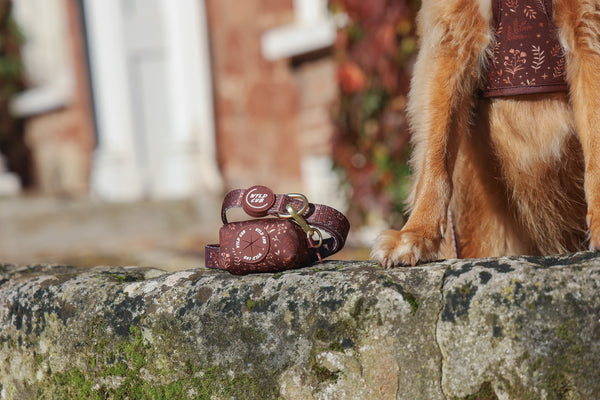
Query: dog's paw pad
{"points": [[403, 248]]}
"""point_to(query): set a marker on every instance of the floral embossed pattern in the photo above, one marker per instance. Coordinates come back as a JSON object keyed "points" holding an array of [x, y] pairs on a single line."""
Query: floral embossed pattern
{"points": [[266, 245], [526, 57]]}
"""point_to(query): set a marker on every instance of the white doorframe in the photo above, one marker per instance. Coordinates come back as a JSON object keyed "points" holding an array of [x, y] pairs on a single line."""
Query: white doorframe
{"points": [[190, 165]]}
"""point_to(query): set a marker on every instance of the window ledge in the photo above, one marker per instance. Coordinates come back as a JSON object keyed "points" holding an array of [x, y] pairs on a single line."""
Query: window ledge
{"points": [[296, 39], [39, 100]]}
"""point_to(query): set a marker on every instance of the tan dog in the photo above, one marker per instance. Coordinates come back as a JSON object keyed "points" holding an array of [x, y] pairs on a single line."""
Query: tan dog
{"points": [[500, 176]]}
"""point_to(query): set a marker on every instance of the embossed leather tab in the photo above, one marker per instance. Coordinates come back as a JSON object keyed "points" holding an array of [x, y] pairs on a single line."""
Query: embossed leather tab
{"points": [[257, 201], [252, 243]]}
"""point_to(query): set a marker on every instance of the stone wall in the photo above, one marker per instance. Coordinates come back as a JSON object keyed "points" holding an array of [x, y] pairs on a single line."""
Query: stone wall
{"points": [[508, 328]]}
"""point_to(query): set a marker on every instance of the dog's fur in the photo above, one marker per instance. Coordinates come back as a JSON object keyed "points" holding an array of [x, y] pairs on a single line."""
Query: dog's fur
{"points": [[515, 174]]}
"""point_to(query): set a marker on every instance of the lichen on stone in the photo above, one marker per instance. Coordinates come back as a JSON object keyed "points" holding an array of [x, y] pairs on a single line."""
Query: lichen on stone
{"points": [[514, 328]]}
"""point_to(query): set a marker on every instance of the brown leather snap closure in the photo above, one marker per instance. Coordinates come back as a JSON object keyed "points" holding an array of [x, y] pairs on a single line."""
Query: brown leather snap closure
{"points": [[257, 201]]}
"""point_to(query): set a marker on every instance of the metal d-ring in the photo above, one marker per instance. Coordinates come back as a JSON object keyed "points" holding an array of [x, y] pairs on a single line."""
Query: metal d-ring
{"points": [[302, 209]]}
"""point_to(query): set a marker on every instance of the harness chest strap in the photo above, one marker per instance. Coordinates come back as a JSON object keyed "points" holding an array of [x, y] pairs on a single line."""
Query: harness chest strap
{"points": [[526, 56]]}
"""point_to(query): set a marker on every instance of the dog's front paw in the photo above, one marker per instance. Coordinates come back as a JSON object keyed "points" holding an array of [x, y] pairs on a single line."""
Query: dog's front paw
{"points": [[593, 222], [403, 248]]}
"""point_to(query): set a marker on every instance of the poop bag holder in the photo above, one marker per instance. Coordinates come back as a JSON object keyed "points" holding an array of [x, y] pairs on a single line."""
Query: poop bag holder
{"points": [[293, 239]]}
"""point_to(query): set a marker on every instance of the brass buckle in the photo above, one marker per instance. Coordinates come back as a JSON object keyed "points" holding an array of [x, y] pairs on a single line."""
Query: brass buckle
{"points": [[296, 215]]}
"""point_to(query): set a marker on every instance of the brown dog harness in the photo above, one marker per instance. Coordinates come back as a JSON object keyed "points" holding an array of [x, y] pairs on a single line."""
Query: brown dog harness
{"points": [[526, 56]]}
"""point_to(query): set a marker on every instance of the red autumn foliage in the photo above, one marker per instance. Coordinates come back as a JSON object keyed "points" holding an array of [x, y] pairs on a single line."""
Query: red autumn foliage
{"points": [[351, 78], [375, 51]]}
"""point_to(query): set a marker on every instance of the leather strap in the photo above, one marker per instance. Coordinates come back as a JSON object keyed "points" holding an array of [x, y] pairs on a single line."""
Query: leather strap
{"points": [[549, 10], [320, 216], [497, 10]]}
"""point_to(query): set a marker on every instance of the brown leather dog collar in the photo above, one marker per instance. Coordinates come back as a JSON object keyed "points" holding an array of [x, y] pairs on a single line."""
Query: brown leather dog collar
{"points": [[260, 201]]}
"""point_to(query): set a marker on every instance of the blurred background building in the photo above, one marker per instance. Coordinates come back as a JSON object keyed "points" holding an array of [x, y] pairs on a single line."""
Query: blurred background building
{"points": [[134, 111], [133, 99]]}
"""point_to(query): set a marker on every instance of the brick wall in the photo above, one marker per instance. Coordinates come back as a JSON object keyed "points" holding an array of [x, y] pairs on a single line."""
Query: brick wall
{"points": [[269, 114], [62, 140]]}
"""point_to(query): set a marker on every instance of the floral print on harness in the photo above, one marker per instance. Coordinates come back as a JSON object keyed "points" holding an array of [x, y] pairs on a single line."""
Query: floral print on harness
{"points": [[527, 52]]}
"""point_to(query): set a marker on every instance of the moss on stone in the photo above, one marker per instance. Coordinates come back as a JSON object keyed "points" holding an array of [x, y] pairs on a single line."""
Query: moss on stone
{"points": [[357, 308], [123, 276], [73, 384], [565, 331], [118, 371], [412, 300], [219, 336], [336, 346], [321, 334], [486, 392], [558, 386], [321, 373]]}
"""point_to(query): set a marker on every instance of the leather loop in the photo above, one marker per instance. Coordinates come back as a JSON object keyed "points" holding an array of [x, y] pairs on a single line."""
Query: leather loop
{"points": [[211, 256]]}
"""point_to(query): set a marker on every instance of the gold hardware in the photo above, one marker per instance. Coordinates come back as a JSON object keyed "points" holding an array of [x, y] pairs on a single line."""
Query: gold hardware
{"points": [[304, 205], [297, 216], [304, 225]]}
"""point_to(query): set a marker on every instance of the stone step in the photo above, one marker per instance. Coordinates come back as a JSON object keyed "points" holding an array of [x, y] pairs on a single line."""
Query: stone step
{"points": [[40, 229]]}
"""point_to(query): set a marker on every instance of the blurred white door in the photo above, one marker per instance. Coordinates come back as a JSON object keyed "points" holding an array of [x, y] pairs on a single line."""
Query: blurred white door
{"points": [[144, 45], [152, 89]]}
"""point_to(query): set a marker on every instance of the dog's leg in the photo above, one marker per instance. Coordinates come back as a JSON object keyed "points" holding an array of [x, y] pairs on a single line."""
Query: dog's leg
{"points": [[579, 27], [455, 35]]}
